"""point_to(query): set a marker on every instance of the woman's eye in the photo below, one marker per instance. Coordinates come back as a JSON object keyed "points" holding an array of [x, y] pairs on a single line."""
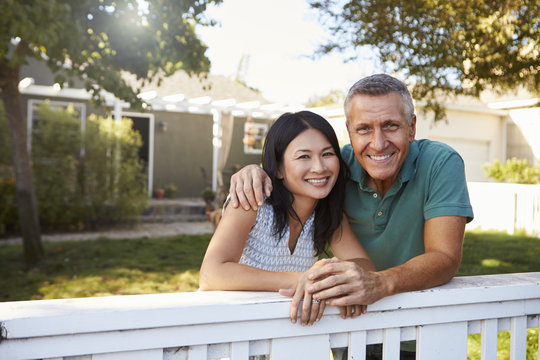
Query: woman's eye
{"points": [[328, 153]]}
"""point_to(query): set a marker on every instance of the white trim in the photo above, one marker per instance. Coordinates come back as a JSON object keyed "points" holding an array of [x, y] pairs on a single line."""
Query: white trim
{"points": [[479, 108], [216, 145], [512, 104]]}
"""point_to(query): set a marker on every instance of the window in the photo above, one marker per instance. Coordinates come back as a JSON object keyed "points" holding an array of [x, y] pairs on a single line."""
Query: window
{"points": [[33, 116], [254, 134]]}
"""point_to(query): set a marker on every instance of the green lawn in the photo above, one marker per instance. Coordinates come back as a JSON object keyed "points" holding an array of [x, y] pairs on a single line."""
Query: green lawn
{"points": [[171, 264], [104, 267]]}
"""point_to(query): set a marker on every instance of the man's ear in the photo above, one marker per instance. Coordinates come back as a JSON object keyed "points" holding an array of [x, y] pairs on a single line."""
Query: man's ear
{"points": [[412, 129]]}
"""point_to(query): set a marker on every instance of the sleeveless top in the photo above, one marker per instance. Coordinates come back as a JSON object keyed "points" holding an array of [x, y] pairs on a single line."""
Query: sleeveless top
{"points": [[267, 251]]}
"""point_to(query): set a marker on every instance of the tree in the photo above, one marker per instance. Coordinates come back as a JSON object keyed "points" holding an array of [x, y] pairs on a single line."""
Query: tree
{"points": [[95, 41], [333, 97], [454, 47]]}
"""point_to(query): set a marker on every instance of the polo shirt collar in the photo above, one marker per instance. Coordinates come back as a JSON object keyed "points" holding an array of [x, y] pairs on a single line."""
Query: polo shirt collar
{"points": [[358, 174]]}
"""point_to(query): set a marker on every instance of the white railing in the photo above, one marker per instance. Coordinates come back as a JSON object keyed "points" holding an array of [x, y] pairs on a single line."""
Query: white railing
{"points": [[235, 325], [505, 207]]}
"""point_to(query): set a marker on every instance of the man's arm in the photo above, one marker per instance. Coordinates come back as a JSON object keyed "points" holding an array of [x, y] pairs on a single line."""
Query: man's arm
{"points": [[343, 283], [247, 187]]}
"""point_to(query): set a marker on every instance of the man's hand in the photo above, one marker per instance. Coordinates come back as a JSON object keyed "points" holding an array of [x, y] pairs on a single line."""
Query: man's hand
{"points": [[247, 187], [345, 283]]}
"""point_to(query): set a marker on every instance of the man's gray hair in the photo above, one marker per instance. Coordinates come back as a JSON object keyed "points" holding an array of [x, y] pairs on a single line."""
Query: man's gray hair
{"points": [[381, 84]]}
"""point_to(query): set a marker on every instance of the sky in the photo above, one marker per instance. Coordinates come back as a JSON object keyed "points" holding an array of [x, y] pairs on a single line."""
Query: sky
{"points": [[277, 37]]}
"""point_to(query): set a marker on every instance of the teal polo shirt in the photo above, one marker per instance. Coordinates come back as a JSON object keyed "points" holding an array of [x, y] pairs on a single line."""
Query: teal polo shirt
{"points": [[431, 183]]}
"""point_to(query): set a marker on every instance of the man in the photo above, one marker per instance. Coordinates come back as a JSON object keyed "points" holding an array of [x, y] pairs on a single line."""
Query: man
{"points": [[407, 200]]}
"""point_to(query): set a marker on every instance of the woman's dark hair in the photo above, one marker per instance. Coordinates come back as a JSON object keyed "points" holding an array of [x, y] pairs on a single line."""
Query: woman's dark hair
{"points": [[329, 211]]}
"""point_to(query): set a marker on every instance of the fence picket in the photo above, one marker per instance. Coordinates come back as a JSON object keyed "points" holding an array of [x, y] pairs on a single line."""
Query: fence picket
{"points": [[489, 339], [357, 345], [518, 338], [391, 344]]}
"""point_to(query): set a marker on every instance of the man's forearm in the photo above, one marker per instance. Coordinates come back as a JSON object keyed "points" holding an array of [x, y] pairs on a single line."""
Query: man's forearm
{"points": [[421, 272]]}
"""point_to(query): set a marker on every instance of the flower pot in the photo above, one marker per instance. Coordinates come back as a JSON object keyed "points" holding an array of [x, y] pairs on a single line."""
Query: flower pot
{"points": [[159, 193]]}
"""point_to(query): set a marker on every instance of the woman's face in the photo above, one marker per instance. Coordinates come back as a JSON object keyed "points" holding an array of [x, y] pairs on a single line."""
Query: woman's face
{"points": [[310, 165]]}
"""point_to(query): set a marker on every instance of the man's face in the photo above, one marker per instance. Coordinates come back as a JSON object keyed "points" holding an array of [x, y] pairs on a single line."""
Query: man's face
{"points": [[380, 136]]}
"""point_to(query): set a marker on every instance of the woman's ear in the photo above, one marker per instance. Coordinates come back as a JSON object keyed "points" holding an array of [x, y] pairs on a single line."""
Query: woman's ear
{"points": [[279, 175]]}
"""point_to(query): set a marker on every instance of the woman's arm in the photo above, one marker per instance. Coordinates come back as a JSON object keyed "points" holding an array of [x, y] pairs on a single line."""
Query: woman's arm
{"points": [[220, 269], [345, 246]]}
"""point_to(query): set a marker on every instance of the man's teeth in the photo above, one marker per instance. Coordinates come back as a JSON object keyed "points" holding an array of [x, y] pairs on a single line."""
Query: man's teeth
{"points": [[382, 157]]}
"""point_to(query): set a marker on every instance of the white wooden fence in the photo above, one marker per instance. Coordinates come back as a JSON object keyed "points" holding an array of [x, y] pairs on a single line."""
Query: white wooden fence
{"points": [[235, 325], [505, 207]]}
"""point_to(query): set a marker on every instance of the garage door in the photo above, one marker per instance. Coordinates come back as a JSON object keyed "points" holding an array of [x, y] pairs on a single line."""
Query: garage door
{"points": [[474, 153]]}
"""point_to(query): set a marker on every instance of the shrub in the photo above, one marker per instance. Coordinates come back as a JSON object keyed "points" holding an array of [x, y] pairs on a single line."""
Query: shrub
{"points": [[171, 191], [81, 180], [518, 171]]}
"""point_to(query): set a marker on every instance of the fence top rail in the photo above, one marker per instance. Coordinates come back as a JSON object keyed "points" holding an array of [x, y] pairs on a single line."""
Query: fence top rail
{"points": [[23, 319]]}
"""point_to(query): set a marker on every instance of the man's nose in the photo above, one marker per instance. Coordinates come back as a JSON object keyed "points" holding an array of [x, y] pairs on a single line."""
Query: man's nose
{"points": [[378, 140]]}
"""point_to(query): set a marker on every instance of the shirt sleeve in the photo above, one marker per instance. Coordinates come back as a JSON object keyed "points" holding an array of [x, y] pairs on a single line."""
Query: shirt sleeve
{"points": [[447, 193]]}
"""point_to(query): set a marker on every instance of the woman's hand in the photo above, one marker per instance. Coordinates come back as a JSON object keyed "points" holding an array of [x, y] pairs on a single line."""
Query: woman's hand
{"points": [[352, 311], [311, 310]]}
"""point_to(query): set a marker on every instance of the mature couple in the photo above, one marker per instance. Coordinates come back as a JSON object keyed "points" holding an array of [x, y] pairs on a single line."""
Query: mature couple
{"points": [[405, 206]]}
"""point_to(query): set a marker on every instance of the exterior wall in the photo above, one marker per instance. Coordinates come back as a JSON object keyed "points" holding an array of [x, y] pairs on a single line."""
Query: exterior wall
{"points": [[523, 131], [237, 156], [479, 137], [183, 152]]}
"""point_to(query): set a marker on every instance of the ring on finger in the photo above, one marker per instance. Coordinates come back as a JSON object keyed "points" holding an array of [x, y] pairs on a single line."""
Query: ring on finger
{"points": [[315, 301]]}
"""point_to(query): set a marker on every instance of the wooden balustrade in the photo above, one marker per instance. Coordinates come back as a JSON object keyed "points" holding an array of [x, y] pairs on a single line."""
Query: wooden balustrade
{"points": [[236, 325]]}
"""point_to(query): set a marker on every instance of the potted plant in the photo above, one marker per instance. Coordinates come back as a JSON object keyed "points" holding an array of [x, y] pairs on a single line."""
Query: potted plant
{"points": [[208, 195], [159, 192], [170, 191]]}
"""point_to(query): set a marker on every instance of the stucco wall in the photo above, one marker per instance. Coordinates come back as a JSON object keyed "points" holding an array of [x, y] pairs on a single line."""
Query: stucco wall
{"points": [[479, 137], [182, 150], [237, 156]]}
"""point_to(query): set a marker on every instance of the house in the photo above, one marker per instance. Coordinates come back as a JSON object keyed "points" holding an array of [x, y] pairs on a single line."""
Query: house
{"points": [[195, 132], [185, 129]]}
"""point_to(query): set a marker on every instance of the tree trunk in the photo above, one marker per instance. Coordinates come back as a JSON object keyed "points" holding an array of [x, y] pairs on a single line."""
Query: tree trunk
{"points": [[26, 197]]}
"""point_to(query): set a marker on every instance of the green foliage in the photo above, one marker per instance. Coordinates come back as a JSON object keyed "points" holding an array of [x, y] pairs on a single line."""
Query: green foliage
{"points": [[333, 97], [100, 39], [517, 171], [457, 47], [80, 181], [503, 345], [171, 191]]}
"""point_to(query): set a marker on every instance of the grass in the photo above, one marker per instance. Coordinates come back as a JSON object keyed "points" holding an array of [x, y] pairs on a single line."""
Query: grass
{"points": [[171, 264], [104, 267]]}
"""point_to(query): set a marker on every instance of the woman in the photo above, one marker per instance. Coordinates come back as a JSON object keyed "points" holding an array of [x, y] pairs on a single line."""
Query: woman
{"points": [[276, 246]]}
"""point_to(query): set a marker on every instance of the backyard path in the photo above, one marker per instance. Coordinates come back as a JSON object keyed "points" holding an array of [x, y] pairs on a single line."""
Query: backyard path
{"points": [[138, 231]]}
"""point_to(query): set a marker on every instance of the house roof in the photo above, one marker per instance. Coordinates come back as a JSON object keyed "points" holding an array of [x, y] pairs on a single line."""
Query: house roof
{"points": [[217, 87]]}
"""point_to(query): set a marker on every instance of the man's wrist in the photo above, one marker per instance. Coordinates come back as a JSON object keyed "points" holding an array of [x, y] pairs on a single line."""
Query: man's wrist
{"points": [[388, 283]]}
